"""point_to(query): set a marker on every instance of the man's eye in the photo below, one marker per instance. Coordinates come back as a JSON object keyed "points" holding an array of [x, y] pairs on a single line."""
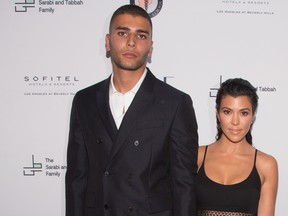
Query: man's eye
{"points": [[142, 37], [122, 34]]}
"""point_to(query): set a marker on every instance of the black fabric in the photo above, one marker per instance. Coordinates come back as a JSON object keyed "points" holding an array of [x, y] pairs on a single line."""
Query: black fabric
{"points": [[241, 198]]}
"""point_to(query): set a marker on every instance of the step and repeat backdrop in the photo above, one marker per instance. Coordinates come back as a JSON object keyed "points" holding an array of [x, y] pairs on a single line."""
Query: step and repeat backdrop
{"points": [[50, 49]]}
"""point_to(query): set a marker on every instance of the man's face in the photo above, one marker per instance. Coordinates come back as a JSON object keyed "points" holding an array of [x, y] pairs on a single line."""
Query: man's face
{"points": [[129, 42]]}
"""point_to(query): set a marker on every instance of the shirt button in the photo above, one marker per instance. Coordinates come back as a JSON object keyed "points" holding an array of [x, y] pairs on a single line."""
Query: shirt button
{"points": [[106, 173], [136, 143]]}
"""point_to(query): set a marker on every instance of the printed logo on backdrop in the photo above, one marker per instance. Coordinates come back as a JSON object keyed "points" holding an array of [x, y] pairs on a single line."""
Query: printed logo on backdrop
{"points": [[153, 7], [36, 85], [265, 89], [23, 6], [44, 6], [46, 166], [245, 7], [213, 91]]}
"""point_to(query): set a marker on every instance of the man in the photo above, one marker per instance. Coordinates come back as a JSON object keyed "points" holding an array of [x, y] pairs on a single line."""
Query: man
{"points": [[133, 139]]}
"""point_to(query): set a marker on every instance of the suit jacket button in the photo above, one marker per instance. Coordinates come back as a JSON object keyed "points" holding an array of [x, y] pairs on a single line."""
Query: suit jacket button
{"points": [[106, 173], [129, 175], [136, 143], [106, 207], [130, 209]]}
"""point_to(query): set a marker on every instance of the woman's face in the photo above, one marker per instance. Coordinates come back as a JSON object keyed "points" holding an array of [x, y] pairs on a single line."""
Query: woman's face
{"points": [[235, 116]]}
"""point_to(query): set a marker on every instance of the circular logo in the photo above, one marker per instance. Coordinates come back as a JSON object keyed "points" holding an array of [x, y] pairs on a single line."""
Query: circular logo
{"points": [[153, 7]]}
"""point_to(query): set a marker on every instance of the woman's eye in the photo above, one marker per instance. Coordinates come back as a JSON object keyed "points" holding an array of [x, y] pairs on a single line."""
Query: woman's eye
{"points": [[226, 112], [245, 113]]}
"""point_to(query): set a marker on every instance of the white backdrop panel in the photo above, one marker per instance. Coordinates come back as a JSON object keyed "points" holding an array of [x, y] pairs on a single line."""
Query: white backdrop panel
{"points": [[51, 51]]}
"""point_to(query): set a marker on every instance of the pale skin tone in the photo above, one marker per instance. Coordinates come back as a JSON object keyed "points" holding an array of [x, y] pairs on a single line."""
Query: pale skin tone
{"points": [[130, 45], [230, 159]]}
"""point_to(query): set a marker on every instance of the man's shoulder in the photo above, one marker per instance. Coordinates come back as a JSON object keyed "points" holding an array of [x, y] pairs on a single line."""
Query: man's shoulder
{"points": [[161, 87], [164, 88], [100, 86]]}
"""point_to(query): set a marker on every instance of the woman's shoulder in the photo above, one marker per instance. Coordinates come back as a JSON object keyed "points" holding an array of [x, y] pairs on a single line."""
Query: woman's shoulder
{"points": [[266, 164], [264, 159], [202, 148], [201, 153]]}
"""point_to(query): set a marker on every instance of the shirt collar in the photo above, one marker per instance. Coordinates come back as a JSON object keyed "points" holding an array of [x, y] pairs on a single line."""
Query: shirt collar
{"points": [[133, 90]]}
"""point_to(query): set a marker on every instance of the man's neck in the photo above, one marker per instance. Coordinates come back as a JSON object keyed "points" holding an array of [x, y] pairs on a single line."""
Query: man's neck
{"points": [[125, 80]]}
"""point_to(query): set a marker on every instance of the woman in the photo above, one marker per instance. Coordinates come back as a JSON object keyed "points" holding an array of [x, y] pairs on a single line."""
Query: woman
{"points": [[234, 178]]}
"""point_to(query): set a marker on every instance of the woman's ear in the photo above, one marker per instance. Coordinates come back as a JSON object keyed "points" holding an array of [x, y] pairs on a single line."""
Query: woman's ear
{"points": [[217, 114], [253, 119]]}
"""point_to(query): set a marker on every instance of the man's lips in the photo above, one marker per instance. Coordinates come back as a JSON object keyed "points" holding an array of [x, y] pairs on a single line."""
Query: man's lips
{"points": [[129, 55]]}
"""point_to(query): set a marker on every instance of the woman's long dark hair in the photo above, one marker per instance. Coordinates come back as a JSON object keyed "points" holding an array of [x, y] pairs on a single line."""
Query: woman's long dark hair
{"points": [[236, 87]]}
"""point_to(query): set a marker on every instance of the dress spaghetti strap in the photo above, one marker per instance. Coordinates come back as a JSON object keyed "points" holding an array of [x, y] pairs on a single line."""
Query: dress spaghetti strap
{"points": [[206, 147], [255, 156]]}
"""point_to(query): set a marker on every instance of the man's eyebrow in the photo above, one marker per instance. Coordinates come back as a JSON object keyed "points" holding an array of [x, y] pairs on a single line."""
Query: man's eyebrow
{"points": [[122, 28], [143, 31], [128, 29]]}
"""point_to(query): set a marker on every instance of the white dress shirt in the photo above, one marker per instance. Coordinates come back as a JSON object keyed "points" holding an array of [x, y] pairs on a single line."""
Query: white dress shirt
{"points": [[119, 103]]}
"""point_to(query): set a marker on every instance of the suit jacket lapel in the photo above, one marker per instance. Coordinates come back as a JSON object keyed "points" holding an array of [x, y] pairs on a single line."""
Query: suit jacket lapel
{"points": [[138, 105], [104, 110]]}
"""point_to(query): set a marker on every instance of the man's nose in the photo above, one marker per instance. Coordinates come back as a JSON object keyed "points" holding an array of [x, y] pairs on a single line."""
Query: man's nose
{"points": [[131, 41]]}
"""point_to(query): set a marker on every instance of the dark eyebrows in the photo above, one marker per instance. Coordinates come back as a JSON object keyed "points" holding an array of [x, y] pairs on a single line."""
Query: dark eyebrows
{"points": [[143, 31], [246, 109], [241, 110], [225, 108], [123, 28]]}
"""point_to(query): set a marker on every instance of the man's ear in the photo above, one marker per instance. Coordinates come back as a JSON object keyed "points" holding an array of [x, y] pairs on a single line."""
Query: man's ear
{"points": [[107, 45], [150, 53]]}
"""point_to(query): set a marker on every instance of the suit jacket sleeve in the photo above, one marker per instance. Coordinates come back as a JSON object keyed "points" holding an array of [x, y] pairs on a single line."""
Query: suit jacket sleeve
{"points": [[184, 149], [77, 164]]}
